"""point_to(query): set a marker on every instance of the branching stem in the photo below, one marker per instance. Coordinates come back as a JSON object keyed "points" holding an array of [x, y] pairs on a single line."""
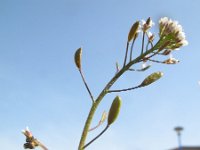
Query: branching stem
{"points": [[96, 137], [105, 91]]}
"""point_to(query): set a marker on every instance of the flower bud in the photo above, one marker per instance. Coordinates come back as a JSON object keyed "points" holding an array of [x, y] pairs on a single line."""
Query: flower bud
{"points": [[114, 110], [148, 21], [133, 31], [166, 52], [29, 146], [103, 117], [77, 58], [151, 78]]}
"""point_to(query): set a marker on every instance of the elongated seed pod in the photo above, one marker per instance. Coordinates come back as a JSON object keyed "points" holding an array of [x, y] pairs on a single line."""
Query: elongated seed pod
{"points": [[114, 110], [133, 31], [151, 78], [77, 58]]}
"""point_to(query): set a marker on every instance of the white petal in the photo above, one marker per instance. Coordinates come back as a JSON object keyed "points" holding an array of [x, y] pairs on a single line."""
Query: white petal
{"points": [[27, 129], [143, 22], [185, 42], [144, 65], [23, 131]]}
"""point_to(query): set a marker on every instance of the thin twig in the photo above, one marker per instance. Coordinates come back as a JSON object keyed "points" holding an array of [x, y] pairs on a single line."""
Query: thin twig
{"points": [[147, 45], [123, 90], [143, 42], [127, 45], [96, 137], [82, 76], [157, 61], [42, 146], [131, 52]]}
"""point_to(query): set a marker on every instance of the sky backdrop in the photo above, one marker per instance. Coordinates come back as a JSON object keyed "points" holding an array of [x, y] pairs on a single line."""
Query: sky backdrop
{"points": [[40, 86]]}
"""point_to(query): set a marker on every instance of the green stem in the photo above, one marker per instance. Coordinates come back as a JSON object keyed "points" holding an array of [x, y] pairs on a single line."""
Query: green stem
{"points": [[131, 52], [85, 83], [143, 42], [96, 136], [124, 90], [104, 92], [127, 45]]}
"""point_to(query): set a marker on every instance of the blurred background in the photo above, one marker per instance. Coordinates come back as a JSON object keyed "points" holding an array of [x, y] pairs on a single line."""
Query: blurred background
{"points": [[40, 86]]}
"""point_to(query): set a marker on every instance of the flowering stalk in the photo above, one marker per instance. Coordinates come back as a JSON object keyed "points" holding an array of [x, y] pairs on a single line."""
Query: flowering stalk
{"points": [[32, 142], [171, 37]]}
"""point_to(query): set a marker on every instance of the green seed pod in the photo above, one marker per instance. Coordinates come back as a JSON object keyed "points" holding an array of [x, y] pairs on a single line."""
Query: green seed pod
{"points": [[151, 78], [77, 58], [114, 110], [133, 31]]}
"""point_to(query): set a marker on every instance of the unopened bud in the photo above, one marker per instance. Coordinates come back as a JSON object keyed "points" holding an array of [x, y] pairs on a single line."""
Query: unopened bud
{"points": [[133, 31], [103, 117], [29, 146], [151, 78], [114, 110], [117, 67], [148, 21], [166, 52], [151, 38], [77, 58]]}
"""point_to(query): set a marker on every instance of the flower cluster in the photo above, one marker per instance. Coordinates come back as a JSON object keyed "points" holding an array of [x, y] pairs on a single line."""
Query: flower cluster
{"points": [[31, 142], [172, 31]]}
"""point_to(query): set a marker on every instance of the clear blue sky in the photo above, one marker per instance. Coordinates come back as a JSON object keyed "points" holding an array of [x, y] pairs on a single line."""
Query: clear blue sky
{"points": [[40, 86]]}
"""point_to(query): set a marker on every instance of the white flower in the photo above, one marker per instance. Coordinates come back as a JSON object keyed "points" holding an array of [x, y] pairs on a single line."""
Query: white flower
{"points": [[150, 36], [144, 65], [27, 132], [175, 30], [146, 24], [171, 60]]}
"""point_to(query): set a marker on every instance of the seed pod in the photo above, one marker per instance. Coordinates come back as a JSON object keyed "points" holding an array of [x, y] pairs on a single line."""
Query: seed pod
{"points": [[151, 78], [77, 58], [133, 31], [114, 110]]}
